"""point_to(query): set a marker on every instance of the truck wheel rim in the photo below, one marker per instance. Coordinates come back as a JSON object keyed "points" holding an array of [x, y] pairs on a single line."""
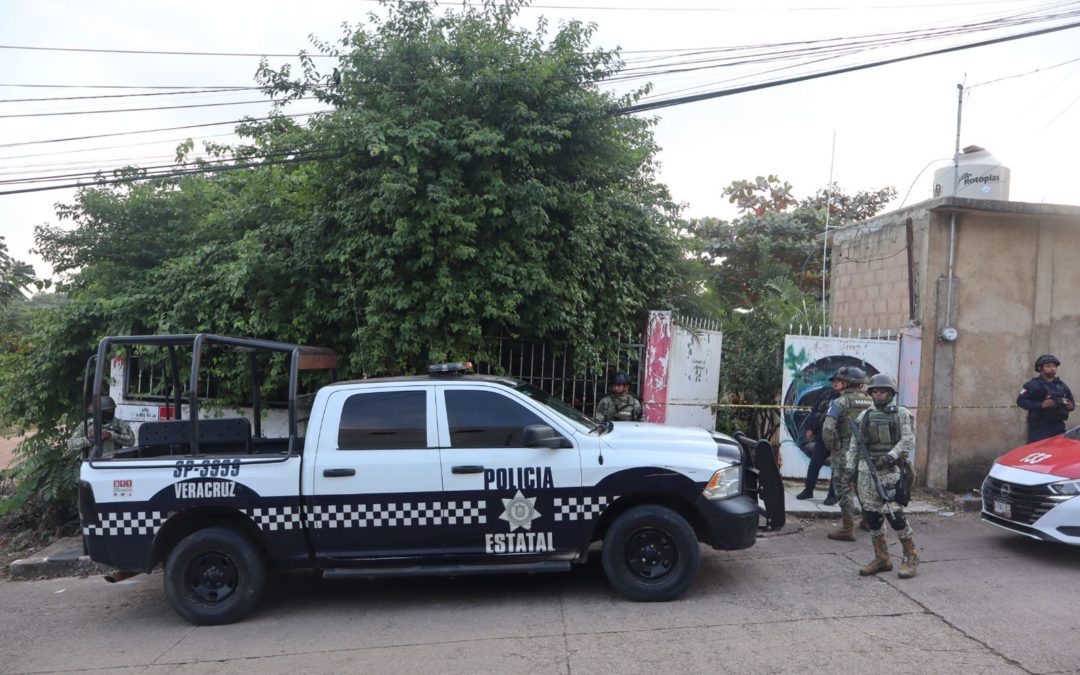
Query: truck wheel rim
{"points": [[212, 577], [651, 554]]}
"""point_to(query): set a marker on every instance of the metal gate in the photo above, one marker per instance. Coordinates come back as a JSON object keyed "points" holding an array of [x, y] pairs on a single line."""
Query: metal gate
{"points": [[556, 372]]}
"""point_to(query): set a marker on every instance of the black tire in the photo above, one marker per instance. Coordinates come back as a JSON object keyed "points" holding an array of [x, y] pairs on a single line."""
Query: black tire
{"points": [[650, 554], [214, 576]]}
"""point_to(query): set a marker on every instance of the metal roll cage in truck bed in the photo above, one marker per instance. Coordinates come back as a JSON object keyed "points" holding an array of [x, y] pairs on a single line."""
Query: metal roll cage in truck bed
{"points": [[301, 358]]}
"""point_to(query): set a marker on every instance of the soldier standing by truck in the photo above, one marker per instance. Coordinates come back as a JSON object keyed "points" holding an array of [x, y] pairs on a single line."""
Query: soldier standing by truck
{"points": [[837, 432], [619, 405]]}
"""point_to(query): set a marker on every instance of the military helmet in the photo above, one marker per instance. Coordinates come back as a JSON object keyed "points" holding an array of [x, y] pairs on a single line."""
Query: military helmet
{"points": [[620, 378], [1045, 359], [881, 381], [106, 404], [851, 374]]}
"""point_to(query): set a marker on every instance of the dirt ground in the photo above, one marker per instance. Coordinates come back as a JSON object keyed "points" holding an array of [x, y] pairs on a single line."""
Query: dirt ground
{"points": [[7, 447]]}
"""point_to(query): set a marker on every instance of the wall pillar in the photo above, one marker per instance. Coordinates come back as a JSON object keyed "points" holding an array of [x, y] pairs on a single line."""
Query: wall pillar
{"points": [[654, 386]]}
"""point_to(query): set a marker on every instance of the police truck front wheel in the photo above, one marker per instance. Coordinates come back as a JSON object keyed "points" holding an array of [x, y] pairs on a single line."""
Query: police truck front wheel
{"points": [[214, 576], [650, 554]]}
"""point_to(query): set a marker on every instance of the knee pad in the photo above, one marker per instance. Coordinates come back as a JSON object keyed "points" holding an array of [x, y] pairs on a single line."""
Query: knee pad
{"points": [[897, 520], [874, 520]]}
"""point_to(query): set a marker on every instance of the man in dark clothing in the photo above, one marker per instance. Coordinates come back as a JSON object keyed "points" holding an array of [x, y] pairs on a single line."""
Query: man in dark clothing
{"points": [[1047, 399], [820, 452]]}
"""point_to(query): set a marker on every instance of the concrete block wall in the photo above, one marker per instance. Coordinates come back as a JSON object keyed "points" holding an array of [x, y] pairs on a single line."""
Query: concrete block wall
{"points": [[870, 278]]}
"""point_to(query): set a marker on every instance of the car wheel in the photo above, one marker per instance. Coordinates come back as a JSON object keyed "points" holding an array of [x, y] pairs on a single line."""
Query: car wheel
{"points": [[214, 576], [650, 554]]}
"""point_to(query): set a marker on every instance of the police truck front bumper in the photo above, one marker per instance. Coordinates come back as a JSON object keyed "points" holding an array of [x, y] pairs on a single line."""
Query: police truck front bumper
{"points": [[728, 524]]}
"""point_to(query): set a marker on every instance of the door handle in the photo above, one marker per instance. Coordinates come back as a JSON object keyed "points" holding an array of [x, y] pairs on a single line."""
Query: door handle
{"points": [[338, 473], [467, 468]]}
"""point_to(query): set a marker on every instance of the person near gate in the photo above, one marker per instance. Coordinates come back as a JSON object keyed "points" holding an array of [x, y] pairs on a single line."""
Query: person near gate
{"points": [[619, 405], [837, 432], [1047, 400], [819, 453]]}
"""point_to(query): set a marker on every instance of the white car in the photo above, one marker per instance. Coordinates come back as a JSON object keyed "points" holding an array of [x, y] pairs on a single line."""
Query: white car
{"points": [[1032, 490]]}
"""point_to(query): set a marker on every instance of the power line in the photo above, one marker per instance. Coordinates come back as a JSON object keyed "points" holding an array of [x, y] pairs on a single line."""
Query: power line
{"points": [[1030, 72], [748, 8], [126, 86], [666, 103], [175, 174], [148, 109], [165, 169], [227, 90], [144, 52], [149, 131]]}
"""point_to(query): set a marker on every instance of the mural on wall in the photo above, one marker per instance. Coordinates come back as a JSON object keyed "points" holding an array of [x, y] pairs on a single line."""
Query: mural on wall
{"points": [[809, 362]]}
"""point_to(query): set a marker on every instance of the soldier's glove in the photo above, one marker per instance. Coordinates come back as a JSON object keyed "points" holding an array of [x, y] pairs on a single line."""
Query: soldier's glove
{"points": [[886, 461], [828, 461]]}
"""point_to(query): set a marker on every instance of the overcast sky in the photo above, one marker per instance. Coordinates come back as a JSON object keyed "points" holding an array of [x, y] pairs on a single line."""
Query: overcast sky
{"points": [[889, 123]]}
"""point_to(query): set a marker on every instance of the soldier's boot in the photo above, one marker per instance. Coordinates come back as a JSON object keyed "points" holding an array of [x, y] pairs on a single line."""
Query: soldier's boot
{"points": [[881, 561], [863, 525], [911, 559], [846, 531]]}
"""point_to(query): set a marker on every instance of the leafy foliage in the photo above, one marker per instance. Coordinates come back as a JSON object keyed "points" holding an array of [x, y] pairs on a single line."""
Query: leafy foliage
{"points": [[471, 179], [776, 235], [762, 271]]}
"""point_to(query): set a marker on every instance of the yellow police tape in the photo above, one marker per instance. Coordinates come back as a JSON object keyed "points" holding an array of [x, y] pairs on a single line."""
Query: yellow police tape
{"points": [[909, 407]]}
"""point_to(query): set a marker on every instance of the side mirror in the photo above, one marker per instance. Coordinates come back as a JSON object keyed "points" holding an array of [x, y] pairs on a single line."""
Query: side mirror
{"points": [[543, 436]]}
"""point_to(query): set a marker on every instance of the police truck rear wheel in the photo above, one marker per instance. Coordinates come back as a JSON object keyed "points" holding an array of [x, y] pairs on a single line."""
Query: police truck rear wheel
{"points": [[214, 576], [650, 554]]}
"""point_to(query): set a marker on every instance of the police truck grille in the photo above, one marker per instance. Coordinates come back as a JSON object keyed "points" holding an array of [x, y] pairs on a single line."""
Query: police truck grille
{"points": [[1029, 502]]}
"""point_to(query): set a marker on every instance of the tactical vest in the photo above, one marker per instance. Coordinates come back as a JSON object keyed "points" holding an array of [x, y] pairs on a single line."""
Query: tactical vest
{"points": [[880, 430], [857, 402]]}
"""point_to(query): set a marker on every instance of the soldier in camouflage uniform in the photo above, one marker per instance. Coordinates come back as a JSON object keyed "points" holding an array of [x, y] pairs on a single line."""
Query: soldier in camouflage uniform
{"points": [[837, 433], [889, 433], [114, 433], [619, 405]]}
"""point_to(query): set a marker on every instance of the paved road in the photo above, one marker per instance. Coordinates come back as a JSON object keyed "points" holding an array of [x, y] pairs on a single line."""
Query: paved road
{"points": [[985, 601]]}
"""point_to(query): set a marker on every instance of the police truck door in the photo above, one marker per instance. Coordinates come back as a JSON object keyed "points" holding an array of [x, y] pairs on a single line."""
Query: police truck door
{"points": [[376, 478], [526, 496]]}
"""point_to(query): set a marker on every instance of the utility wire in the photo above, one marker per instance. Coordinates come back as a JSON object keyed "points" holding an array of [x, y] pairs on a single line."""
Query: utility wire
{"points": [[666, 103], [175, 174], [150, 131], [226, 90], [1030, 72], [167, 169], [152, 108]]}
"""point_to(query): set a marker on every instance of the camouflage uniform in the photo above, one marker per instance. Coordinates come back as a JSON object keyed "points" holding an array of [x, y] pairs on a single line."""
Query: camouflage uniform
{"points": [[837, 434], [122, 436], [888, 430], [618, 408]]}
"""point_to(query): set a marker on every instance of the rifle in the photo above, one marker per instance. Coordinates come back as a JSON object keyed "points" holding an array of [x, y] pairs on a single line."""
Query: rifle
{"points": [[873, 468]]}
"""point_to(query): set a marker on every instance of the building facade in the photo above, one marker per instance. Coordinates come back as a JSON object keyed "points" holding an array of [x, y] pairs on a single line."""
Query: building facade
{"points": [[990, 285]]}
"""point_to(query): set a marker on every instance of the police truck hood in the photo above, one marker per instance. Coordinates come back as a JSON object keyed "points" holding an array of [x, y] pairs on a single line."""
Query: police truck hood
{"points": [[659, 437]]}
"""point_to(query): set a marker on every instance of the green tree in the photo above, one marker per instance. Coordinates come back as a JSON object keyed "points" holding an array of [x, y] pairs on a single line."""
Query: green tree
{"points": [[16, 278], [485, 186], [764, 270], [470, 178], [776, 235]]}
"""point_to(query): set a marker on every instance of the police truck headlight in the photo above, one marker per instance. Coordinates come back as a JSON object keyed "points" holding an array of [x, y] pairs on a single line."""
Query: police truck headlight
{"points": [[724, 483], [1067, 487]]}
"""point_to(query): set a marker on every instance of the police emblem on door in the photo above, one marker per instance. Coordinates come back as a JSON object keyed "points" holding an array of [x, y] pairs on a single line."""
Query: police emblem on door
{"points": [[519, 511]]}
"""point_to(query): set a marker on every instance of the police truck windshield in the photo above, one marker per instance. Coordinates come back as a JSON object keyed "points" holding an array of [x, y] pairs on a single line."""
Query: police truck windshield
{"points": [[558, 404]]}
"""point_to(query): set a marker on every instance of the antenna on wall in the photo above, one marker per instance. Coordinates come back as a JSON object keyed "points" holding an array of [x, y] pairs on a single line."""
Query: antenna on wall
{"points": [[828, 211]]}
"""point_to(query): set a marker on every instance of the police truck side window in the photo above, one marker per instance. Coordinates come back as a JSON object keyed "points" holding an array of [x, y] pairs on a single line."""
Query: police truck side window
{"points": [[484, 419], [394, 420]]}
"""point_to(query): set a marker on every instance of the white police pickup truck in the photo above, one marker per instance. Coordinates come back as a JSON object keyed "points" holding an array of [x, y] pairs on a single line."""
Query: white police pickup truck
{"points": [[445, 474]]}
